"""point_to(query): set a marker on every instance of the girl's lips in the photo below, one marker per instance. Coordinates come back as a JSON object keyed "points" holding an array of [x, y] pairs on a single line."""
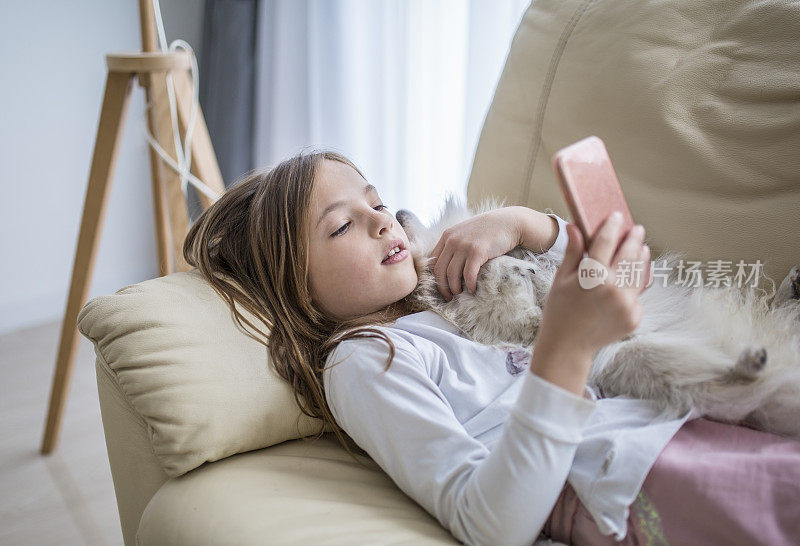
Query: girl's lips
{"points": [[396, 258]]}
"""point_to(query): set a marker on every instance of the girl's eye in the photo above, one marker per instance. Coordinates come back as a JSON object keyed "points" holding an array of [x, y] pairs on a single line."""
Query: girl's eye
{"points": [[344, 227], [340, 230]]}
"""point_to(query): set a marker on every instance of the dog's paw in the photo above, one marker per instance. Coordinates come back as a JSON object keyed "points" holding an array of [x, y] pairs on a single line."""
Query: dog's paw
{"points": [[524, 271], [750, 362]]}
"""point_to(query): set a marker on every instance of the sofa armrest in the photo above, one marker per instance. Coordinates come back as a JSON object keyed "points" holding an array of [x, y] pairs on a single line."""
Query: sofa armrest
{"points": [[135, 469]]}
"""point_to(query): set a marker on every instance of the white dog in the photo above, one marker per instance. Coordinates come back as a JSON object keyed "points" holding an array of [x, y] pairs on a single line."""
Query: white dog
{"points": [[723, 351]]}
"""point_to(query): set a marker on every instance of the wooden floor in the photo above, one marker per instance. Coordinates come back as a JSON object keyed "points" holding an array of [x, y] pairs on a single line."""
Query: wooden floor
{"points": [[66, 497]]}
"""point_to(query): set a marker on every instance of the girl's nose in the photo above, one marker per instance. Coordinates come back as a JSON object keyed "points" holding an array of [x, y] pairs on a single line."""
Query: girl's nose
{"points": [[384, 222]]}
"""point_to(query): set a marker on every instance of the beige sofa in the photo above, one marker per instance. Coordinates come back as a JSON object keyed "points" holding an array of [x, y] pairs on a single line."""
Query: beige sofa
{"points": [[699, 106]]}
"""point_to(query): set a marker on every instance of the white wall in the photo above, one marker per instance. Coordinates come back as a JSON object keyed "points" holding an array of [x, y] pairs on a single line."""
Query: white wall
{"points": [[53, 72]]}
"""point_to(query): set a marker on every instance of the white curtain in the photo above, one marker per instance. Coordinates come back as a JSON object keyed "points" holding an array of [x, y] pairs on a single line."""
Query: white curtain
{"points": [[401, 87]]}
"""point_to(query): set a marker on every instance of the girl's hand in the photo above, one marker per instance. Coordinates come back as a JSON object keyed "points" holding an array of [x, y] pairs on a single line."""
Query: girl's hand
{"points": [[583, 320], [466, 246]]}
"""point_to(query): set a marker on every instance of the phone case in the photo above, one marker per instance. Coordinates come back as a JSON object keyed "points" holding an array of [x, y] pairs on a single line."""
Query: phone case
{"points": [[590, 185]]}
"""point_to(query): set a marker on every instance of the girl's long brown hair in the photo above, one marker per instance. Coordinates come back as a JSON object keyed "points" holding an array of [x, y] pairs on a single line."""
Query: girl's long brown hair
{"points": [[251, 245]]}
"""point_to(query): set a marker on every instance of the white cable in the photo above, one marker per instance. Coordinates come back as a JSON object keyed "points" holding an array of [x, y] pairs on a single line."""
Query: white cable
{"points": [[162, 36], [196, 182], [176, 136], [183, 153], [187, 148]]}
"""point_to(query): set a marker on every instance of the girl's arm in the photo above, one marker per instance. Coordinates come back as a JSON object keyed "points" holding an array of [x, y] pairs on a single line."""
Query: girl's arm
{"points": [[466, 246], [537, 231], [403, 421]]}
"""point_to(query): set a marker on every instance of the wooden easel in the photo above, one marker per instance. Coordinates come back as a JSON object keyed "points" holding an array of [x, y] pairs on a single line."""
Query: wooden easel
{"points": [[171, 215]]}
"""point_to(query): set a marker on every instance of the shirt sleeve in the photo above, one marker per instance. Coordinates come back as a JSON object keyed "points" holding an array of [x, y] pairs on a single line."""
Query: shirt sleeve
{"points": [[407, 426], [560, 244]]}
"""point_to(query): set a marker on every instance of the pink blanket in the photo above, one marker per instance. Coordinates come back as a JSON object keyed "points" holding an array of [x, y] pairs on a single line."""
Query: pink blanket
{"points": [[714, 483]]}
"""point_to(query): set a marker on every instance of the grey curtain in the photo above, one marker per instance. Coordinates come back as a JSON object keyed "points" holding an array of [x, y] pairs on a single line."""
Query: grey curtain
{"points": [[226, 82]]}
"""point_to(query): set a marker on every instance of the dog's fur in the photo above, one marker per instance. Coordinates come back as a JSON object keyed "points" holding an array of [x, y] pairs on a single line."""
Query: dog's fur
{"points": [[724, 352]]}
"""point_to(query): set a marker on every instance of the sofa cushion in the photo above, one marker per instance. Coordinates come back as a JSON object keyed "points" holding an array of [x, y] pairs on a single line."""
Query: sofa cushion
{"points": [[205, 389], [698, 104], [298, 492]]}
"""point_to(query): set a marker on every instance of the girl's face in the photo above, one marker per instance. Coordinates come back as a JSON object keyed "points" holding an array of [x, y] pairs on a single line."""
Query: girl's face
{"points": [[351, 233]]}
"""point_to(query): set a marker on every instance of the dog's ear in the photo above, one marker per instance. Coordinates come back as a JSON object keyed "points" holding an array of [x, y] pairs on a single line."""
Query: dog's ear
{"points": [[411, 224]]}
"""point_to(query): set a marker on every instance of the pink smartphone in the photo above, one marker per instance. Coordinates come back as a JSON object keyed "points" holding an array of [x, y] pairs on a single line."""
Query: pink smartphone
{"points": [[590, 186]]}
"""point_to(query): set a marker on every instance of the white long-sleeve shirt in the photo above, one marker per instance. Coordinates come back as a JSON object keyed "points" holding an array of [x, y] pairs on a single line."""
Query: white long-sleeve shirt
{"points": [[480, 442]]}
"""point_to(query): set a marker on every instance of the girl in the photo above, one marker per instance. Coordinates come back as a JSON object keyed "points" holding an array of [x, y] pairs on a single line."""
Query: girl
{"points": [[497, 445]]}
